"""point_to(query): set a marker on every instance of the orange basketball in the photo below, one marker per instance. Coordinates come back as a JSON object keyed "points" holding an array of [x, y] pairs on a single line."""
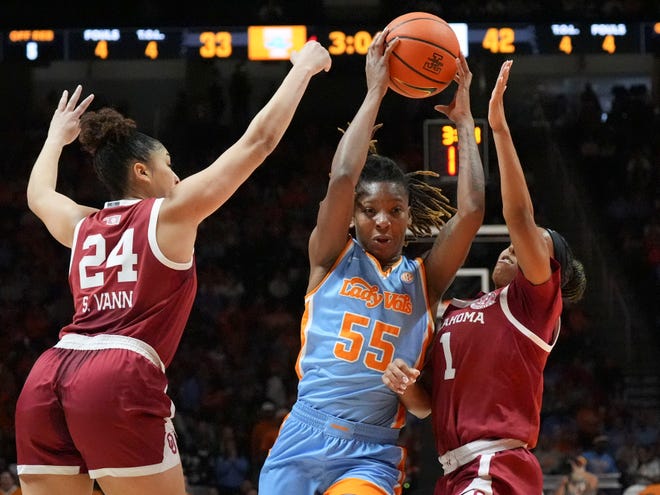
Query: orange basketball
{"points": [[424, 62]]}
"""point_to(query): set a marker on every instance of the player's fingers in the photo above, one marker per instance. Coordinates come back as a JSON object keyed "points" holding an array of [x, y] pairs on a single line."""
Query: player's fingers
{"points": [[377, 41], [461, 63], [391, 46], [413, 373], [442, 109], [63, 99], [505, 70], [83, 105], [395, 375], [73, 101], [460, 70], [396, 386], [393, 384]]}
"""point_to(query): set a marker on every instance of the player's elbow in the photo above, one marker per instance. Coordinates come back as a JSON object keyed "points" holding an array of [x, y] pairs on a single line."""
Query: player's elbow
{"points": [[261, 139], [263, 144], [36, 201], [472, 213]]}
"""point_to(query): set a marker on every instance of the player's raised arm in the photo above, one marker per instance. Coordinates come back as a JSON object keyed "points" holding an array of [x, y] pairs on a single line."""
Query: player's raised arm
{"points": [[199, 195], [528, 241], [331, 232], [454, 240], [58, 212]]}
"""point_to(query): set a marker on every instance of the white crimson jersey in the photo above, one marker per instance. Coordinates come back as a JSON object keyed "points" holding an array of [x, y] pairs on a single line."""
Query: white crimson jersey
{"points": [[121, 282], [487, 363], [356, 321]]}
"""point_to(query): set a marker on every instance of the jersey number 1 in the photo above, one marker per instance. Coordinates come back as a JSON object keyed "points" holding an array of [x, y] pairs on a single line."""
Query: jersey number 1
{"points": [[450, 371]]}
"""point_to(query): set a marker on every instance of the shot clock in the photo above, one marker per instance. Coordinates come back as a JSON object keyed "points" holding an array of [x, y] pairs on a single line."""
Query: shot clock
{"points": [[441, 147]]}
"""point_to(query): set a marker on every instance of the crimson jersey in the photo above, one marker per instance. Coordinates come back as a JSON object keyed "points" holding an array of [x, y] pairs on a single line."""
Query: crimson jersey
{"points": [[121, 282], [487, 367]]}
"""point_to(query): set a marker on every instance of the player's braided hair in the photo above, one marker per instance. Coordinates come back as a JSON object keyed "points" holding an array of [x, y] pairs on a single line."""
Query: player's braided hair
{"points": [[429, 207]]}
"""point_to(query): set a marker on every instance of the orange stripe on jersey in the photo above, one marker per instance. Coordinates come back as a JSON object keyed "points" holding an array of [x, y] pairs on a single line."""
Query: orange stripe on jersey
{"points": [[348, 246], [400, 419], [355, 485], [303, 338], [430, 329], [305, 316], [402, 472]]}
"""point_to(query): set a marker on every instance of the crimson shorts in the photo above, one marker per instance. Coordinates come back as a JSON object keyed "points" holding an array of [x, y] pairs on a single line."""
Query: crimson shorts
{"points": [[104, 412], [508, 472]]}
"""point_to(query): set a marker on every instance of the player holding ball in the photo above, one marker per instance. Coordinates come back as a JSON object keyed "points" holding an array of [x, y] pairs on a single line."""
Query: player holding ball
{"points": [[368, 304]]}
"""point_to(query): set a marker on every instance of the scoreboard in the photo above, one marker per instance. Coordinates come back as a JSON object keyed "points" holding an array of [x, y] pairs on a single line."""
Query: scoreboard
{"points": [[277, 42], [441, 147]]}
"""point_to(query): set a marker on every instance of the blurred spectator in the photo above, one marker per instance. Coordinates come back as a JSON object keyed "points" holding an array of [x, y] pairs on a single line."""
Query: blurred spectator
{"points": [[198, 462], [579, 481], [548, 454], [232, 467], [599, 459], [644, 471], [263, 435], [8, 484]]}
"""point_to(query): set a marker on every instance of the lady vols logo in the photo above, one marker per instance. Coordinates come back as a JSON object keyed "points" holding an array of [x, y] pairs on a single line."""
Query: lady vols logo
{"points": [[407, 277]]}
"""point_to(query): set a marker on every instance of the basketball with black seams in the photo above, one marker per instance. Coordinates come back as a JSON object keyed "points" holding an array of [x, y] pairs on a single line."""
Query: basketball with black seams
{"points": [[423, 63]]}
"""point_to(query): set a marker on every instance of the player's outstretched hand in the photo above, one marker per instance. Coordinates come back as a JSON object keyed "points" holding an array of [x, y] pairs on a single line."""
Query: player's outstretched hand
{"points": [[313, 56], [496, 116], [398, 376], [65, 124], [377, 66], [459, 111]]}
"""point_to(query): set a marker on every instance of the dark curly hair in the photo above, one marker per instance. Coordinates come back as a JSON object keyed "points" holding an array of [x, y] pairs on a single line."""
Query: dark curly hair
{"points": [[115, 145], [573, 277]]}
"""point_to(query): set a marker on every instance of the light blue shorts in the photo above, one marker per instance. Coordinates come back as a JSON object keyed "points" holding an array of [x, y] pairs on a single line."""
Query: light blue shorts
{"points": [[314, 451]]}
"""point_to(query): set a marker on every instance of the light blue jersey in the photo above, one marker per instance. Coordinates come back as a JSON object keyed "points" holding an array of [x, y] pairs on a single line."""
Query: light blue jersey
{"points": [[342, 432], [356, 322]]}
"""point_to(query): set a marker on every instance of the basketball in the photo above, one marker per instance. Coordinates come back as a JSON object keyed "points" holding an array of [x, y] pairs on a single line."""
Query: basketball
{"points": [[424, 62]]}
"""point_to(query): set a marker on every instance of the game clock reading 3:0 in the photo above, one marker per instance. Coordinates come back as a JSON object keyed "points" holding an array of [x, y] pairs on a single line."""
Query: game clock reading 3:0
{"points": [[343, 43]]}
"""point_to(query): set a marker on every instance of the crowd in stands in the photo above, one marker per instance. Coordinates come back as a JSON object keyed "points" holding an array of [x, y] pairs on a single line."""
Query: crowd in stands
{"points": [[233, 378]]}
